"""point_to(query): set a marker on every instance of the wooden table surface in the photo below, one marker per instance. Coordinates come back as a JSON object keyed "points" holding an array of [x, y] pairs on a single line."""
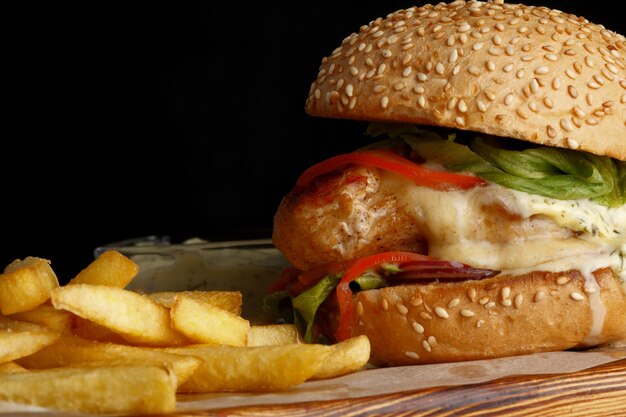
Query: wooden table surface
{"points": [[598, 391]]}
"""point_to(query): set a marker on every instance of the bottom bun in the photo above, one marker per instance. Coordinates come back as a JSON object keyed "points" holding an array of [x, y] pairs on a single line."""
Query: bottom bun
{"points": [[502, 316]]}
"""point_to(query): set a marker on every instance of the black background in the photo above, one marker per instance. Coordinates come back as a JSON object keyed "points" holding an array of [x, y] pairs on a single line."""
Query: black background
{"points": [[167, 118]]}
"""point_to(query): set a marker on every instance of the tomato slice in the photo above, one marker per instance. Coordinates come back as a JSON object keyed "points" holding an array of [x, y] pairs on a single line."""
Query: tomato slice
{"points": [[344, 293], [390, 161]]}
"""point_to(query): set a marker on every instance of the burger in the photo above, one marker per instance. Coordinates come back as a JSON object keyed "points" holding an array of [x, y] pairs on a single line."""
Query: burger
{"points": [[485, 215]]}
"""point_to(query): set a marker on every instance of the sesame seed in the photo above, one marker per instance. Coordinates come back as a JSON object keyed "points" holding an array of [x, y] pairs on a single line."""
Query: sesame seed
{"points": [[425, 315], [454, 55], [497, 40], [550, 57], [593, 85], [481, 106], [576, 296], [533, 106], [464, 28], [418, 328], [592, 120], [548, 102], [387, 53], [572, 91], [539, 295], [478, 46], [589, 289], [379, 88], [451, 39], [474, 71], [407, 71], [406, 59], [509, 50], [384, 102], [385, 304], [317, 93], [381, 68], [571, 74], [349, 90], [459, 121], [454, 302], [572, 143], [508, 67], [505, 292], [566, 125], [402, 309], [462, 107], [490, 304], [508, 100], [421, 76], [480, 323], [598, 79], [456, 69], [520, 73], [518, 300], [490, 65], [507, 302], [483, 301], [494, 51], [432, 340], [441, 312], [421, 100], [439, 68], [541, 70], [414, 301], [412, 355], [426, 346], [467, 313]]}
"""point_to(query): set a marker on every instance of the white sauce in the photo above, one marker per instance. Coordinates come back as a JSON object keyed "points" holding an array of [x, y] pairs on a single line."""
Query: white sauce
{"points": [[453, 225]]}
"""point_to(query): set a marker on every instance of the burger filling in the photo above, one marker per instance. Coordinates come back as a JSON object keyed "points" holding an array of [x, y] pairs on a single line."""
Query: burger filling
{"points": [[482, 206]]}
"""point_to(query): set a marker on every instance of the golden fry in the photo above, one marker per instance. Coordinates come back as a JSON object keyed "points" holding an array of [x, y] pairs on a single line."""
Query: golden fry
{"points": [[25, 284], [11, 368], [205, 323], [262, 368], [135, 317], [72, 351], [226, 300], [273, 334], [19, 339], [48, 316], [347, 356], [111, 268], [115, 389]]}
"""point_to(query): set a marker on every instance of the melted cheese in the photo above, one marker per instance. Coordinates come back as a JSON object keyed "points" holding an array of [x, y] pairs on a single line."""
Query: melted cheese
{"points": [[457, 227]]}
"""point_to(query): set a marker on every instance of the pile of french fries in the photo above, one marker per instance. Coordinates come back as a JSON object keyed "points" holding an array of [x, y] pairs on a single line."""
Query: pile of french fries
{"points": [[93, 346]]}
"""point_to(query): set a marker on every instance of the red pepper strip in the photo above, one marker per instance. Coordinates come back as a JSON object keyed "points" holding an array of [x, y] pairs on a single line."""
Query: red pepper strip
{"points": [[390, 161], [344, 294]]}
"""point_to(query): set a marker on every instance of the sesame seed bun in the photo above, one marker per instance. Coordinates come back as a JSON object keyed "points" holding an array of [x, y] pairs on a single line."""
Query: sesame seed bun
{"points": [[502, 316], [509, 70]]}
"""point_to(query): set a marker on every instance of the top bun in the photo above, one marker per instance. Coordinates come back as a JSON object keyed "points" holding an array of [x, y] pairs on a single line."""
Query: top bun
{"points": [[511, 70]]}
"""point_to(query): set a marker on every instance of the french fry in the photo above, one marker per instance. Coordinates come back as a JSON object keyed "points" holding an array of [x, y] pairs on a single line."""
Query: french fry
{"points": [[273, 334], [135, 317], [19, 339], [111, 268], [72, 351], [11, 368], [205, 323], [126, 389], [25, 284], [226, 300], [347, 356], [262, 368], [47, 316]]}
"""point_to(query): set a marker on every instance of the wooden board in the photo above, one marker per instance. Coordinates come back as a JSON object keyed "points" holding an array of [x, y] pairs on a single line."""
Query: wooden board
{"points": [[599, 391]]}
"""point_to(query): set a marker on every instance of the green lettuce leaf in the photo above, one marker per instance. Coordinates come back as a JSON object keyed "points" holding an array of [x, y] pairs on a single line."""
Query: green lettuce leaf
{"points": [[307, 303], [549, 171]]}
